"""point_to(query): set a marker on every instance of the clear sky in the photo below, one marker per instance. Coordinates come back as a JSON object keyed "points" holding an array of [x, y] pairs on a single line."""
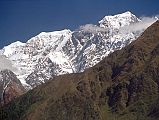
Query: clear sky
{"points": [[23, 19]]}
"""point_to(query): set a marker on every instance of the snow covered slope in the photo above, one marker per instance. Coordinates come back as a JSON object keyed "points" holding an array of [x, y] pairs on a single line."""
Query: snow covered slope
{"points": [[117, 21], [62, 52]]}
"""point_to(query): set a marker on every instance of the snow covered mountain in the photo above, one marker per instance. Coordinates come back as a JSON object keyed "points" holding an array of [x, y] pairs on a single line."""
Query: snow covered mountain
{"points": [[61, 52], [117, 21]]}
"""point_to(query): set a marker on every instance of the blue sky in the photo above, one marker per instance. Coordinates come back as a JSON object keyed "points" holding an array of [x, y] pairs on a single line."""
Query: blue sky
{"points": [[23, 19]]}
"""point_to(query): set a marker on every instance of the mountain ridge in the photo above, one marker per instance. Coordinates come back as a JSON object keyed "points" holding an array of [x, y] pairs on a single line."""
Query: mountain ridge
{"points": [[61, 52], [123, 86]]}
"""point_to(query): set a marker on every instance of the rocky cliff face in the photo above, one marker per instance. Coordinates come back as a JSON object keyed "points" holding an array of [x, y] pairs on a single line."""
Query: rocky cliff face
{"points": [[61, 52], [10, 86], [123, 86]]}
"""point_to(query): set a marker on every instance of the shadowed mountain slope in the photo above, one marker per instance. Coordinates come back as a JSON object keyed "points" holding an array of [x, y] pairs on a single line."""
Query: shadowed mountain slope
{"points": [[123, 86], [10, 86]]}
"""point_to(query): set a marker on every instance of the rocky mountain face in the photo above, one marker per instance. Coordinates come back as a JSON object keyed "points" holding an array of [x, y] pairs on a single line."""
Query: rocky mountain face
{"points": [[10, 86], [60, 52], [123, 86]]}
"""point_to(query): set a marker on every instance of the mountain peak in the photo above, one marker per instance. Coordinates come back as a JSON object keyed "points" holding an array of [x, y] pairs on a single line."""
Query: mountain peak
{"points": [[119, 20], [55, 32], [9, 50], [127, 13]]}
